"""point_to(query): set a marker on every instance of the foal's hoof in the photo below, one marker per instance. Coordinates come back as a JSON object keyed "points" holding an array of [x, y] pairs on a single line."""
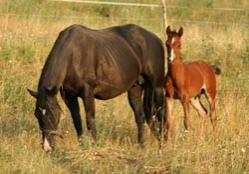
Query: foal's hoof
{"points": [[186, 131]]}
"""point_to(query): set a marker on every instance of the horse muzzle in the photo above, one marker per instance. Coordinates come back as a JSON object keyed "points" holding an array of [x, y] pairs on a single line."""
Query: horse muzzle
{"points": [[47, 146]]}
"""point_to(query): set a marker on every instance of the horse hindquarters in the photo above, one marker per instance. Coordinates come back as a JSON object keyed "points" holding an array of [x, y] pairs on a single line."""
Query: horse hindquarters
{"points": [[153, 72], [210, 90]]}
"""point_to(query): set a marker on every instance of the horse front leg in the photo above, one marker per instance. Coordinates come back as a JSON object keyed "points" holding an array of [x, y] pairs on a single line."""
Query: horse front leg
{"points": [[89, 105], [73, 106], [135, 101], [185, 103], [169, 117], [202, 111]]}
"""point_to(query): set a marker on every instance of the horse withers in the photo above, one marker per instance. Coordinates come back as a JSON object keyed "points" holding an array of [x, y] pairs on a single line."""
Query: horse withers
{"points": [[187, 82], [100, 64]]}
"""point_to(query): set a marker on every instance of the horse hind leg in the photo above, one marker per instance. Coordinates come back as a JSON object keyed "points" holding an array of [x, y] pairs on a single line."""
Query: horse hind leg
{"points": [[213, 115], [160, 109], [197, 105], [135, 101], [211, 100], [149, 109]]}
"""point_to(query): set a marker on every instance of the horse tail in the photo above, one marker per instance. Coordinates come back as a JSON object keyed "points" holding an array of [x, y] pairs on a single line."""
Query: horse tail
{"points": [[148, 103], [216, 69]]}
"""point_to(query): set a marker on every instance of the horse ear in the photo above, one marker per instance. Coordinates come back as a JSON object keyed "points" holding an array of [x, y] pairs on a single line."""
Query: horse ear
{"points": [[32, 93], [168, 30], [180, 32]]}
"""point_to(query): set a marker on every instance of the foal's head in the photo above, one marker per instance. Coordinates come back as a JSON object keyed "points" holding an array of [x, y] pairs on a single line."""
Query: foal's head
{"points": [[173, 43]]}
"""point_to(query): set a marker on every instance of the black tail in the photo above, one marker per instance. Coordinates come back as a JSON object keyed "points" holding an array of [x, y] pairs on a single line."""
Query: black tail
{"points": [[216, 69], [148, 103]]}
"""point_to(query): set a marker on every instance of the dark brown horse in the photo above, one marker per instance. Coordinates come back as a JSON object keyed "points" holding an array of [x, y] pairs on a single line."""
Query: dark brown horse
{"points": [[187, 82], [100, 64]]}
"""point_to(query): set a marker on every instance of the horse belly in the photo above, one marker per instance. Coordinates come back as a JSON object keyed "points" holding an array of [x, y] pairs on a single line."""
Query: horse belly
{"points": [[105, 92], [112, 88], [117, 79], [194, 82]]}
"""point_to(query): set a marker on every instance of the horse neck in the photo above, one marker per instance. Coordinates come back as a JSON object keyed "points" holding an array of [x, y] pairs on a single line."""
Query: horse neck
{"points": [[176, 68], [54, 70]]}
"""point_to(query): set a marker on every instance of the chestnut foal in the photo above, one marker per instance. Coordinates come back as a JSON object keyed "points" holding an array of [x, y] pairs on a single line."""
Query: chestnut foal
{"points": [[187, 82]]}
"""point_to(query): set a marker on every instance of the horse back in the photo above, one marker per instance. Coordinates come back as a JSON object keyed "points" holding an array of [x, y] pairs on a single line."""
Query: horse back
{"points": [[147, 46], [112, 59]]}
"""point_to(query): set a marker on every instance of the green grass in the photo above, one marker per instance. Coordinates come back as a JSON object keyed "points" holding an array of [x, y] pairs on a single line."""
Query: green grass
{"points": [[28, 29]]}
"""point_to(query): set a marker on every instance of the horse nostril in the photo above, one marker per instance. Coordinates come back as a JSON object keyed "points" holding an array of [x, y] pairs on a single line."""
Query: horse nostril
{"points": [[47, 149]]}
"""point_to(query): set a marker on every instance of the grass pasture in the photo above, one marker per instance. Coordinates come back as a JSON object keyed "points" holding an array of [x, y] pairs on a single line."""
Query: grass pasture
{"points": [[28, 29]]}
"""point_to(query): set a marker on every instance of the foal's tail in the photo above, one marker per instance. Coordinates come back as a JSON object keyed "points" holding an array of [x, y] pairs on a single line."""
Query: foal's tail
{"points": [[216, 69]]}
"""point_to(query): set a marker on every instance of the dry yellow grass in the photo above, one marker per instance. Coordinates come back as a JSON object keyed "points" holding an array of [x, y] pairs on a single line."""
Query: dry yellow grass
{"points": [[26, 38]]}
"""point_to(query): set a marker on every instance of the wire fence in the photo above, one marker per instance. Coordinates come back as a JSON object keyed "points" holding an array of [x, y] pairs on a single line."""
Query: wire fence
{"points": [[199, 22], [157, 19], [164, 8], [157, 5]]}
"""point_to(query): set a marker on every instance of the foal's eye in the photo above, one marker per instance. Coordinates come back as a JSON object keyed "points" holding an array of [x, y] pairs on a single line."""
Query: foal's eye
{"points": [[178, 46]]}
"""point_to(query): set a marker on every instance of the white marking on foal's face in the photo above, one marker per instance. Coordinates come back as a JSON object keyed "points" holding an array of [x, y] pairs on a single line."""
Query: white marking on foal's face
{"points": [[46, 145], [172, 54]]}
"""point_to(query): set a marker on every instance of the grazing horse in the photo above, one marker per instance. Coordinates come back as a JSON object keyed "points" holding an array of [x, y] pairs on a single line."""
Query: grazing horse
{"points": [[100, 64], [188, 82]]}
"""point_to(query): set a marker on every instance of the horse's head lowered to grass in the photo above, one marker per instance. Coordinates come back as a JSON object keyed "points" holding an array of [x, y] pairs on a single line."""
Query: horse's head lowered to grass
{"points": [[48, 113]]}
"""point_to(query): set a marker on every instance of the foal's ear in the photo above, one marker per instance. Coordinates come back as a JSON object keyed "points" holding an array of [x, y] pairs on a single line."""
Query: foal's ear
{"points": [[32, 93], [168, 30], [180, 32]]}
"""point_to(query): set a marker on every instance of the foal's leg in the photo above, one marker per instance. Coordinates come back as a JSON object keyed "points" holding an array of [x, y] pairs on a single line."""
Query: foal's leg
{"points": [[185, 103], [73, 106], [210, 95], [169, 117], [89, 104], [135, 101], [201, 111], [213, 115]]}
